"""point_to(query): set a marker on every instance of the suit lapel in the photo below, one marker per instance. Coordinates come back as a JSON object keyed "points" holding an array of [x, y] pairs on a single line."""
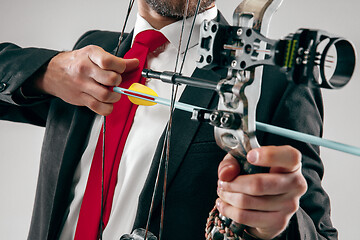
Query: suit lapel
{"points": [[76, 122], [68, 138], [182, 128], [125, 45]]}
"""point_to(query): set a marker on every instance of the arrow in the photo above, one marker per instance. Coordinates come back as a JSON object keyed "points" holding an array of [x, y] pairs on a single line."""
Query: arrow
{"points": [[142, 95]]}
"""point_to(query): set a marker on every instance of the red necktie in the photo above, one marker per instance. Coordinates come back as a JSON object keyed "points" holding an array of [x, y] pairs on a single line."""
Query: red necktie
{"points": [[118, 125]]}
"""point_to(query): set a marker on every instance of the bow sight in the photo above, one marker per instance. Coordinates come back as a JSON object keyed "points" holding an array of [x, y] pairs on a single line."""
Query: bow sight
{"points": [[311, 57]]}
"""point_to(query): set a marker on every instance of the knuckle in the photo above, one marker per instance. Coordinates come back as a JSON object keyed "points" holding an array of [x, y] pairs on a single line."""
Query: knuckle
{"points": [[295, 155], [108, 110], [79, 83], [293, 206], [93, 104], [85, 51], [220, 206], [271, 153], [243, 201], [114, 79], [100, 108], [281, 222], [105, 62], [103, 95], [257, 186], [299, 183], [80, 67], [240, 216], [121, 65], [89, 48]]}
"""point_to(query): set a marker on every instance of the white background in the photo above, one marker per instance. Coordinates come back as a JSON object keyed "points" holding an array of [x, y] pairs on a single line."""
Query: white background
{"points": [[58, 24]]}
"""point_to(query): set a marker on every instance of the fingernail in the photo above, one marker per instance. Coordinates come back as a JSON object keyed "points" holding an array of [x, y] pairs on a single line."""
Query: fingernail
{"points": [[223, 167], [253, 156], [218, 202], [220, 184]]}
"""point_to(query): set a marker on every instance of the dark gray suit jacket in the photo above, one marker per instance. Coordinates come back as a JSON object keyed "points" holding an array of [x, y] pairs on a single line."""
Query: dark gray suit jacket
{"points": [[194, 154]]}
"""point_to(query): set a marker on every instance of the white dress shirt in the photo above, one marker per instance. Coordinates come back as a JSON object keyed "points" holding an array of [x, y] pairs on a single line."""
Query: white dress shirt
{"points": [[148, 125]]}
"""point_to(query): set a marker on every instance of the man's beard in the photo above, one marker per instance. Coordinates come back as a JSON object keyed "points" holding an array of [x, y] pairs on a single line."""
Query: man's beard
{"points": [[176, 8]]}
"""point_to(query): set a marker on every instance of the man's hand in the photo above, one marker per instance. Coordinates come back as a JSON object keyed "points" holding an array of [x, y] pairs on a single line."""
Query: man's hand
{"points": [[264, 202], [84, 77]]}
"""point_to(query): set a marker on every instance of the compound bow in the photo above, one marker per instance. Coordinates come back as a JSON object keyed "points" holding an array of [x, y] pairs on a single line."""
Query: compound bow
{"points": [[243, 49]]}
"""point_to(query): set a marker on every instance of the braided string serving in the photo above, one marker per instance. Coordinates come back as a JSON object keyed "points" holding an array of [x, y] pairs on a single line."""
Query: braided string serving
{"points": [[218, 229]]}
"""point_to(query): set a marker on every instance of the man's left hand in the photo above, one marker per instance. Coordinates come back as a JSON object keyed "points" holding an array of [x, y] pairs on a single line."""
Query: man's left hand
{"points": [[265, 202]]}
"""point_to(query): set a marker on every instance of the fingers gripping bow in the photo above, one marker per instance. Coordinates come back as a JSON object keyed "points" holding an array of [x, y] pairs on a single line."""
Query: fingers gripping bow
{"points": [[242, 100]]}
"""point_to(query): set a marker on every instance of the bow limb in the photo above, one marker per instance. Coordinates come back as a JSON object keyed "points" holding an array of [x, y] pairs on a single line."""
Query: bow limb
{"points": [[261, 12]]}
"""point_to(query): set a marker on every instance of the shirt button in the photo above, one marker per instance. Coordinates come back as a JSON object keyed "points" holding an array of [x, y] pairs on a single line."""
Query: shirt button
{"points": [[3, 86]]}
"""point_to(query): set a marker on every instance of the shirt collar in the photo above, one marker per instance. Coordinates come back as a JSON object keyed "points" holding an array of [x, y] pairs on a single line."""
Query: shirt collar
{"points": [[172, 31]]}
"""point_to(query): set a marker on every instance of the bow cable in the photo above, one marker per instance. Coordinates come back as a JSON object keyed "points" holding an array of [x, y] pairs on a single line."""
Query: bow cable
{"points": [[131, 4], [166, 146], [190, 34], [172, 107], [101, 224], [166, 141]]}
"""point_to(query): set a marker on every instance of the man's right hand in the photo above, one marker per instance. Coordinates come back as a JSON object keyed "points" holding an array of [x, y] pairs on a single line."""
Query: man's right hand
{"points": [[84, 77]]}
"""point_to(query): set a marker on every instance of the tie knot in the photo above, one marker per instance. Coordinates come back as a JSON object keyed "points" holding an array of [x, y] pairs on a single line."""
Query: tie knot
{"points": [[151, 39]]}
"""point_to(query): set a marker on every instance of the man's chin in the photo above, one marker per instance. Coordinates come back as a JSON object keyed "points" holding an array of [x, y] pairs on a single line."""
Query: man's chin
{"points": [[174, 9]]}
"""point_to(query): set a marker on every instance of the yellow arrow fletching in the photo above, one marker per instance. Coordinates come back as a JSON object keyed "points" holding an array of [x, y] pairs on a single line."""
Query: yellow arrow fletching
{"points": [[137, 87]]}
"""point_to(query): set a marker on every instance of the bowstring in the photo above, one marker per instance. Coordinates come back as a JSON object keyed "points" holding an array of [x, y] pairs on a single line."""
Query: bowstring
{"points": [[190, 34], [101, 225], [131, 4], [166, 144], [174, 91]]}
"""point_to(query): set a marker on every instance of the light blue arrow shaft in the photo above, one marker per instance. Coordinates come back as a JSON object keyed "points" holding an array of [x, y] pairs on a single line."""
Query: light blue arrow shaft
{"points": [[303, 137], [308, 138]]}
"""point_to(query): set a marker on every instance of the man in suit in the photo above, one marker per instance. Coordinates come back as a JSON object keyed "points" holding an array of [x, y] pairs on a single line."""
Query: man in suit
{"points": [[68, 91]]}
